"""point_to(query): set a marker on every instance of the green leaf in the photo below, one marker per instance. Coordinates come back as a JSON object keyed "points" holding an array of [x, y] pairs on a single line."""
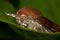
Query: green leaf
{"points": [[47, 8]]}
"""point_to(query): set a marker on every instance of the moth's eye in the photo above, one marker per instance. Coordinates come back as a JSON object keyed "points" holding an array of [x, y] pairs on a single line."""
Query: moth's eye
{"points": [[22, 17]]}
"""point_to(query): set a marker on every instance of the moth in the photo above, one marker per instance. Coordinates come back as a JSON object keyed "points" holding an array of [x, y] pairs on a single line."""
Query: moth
{"points": [[33, 19]]}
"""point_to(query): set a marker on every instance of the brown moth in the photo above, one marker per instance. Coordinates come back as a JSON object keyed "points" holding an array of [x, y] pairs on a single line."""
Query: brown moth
{"points": [[27, 16], [36, 14]]}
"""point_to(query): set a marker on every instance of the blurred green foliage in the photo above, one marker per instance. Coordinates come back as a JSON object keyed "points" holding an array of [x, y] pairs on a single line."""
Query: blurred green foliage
{"points": [[9, 29]]}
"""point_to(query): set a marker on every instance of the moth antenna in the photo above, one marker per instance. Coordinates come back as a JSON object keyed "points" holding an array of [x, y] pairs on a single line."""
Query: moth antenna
{"points": [[10, 14]]}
